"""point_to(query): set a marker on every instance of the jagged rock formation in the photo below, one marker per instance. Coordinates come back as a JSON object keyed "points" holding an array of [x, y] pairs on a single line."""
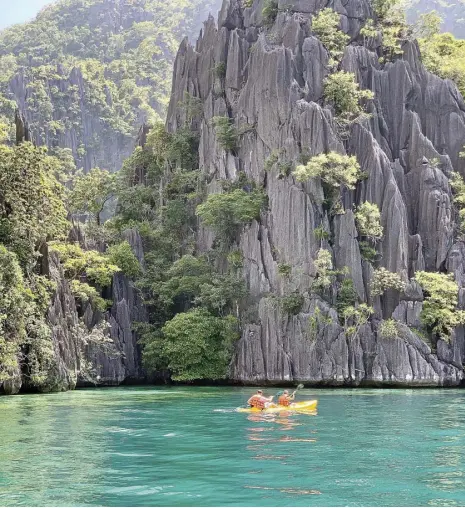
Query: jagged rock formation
{"points": [[120, 361], [274, 82]]}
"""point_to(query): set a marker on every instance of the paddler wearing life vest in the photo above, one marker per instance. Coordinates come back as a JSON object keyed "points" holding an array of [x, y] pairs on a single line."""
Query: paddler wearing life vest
{"points": [[285, 399], [259, 401]]}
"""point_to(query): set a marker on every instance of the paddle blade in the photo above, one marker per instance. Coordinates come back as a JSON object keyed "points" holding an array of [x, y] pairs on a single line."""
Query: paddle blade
{"points": [[300, 386]]}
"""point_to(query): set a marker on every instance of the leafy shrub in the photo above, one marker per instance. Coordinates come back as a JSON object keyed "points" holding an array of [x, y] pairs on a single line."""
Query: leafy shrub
{"points": [[326, 27], [369, 30], [198, 345], [388, 329], [121, 255], [220, 70], [292, 304], [86, 293], [227, 213], [333, 168], [389, 12], [284, 269], [222, 292], [384, 279], [323, 266], [270, 12], [354, 318], [191, 281], [321, 233], [368, 219], [439, 311], [344, 93], [367, 252], [271, 160], [346, 295], [458, 186], [226, 132], [89, 264]]}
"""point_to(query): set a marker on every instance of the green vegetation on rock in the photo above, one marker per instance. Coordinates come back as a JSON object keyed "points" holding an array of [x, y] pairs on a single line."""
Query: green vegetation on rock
{"points": [[444, 55], [343, 92], [198, 345], [368, 220], [440, 314], [227, 213], [334, 169], [325, 25], [383, 279]]}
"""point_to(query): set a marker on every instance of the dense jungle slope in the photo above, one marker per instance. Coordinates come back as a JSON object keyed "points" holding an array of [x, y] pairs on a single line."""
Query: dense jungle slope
{"points": [[87, 73]]}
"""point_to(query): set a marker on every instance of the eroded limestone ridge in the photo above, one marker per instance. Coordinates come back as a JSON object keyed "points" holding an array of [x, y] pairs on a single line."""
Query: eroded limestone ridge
{"points": [[270, 79]]}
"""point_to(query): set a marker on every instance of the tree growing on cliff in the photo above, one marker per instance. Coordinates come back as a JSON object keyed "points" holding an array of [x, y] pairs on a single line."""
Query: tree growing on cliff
{"points": [[325, 25], [439, 312], [31, 201], [368, 220], [91, 192], [343, 92], [122, 256], [13, 306], [226, 132], [355, 317], [444, 55], [334, 169], [195, 345], [227, 213], [270, 12], [383, 279]]}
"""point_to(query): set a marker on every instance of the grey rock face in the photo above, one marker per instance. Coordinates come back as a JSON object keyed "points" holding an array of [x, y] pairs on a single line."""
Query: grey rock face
{"points": [[64, 323], [108, 153], [407, 148], [121, 360]]}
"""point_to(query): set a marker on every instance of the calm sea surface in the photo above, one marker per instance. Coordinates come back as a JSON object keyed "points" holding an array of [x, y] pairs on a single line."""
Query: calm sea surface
{"points": [[187, 447]]}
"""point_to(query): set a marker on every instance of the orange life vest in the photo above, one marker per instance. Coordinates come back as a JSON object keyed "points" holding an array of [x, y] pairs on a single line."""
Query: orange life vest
{"points": [[284, 400], [257, 401]]}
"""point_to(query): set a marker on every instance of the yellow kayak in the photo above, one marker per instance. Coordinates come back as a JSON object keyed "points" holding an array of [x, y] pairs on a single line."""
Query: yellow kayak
{"points": [[305, 405]]}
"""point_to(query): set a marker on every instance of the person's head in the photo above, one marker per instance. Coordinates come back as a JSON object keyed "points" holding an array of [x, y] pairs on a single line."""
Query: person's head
{"points": [[260, 392], [285, 392]]}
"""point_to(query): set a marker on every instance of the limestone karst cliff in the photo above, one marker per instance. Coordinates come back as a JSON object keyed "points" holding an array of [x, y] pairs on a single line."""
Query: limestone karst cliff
{"points": [[273, 84], [250, 100]]}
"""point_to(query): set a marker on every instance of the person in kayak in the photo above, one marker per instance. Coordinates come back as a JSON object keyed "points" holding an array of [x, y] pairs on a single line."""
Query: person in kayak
{"points": [[259, 401], [285, 399]]}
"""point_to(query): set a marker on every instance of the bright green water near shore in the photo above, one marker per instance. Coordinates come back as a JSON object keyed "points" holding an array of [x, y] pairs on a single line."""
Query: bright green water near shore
{"points": [[186, 447]]}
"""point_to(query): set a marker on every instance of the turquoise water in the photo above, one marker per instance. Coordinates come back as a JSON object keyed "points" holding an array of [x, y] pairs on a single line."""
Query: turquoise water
{"points": [[186, 447]]}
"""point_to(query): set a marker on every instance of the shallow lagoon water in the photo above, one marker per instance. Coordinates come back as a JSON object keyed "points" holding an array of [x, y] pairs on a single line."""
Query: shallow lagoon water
{"points": [[179, 446]]}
